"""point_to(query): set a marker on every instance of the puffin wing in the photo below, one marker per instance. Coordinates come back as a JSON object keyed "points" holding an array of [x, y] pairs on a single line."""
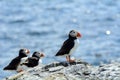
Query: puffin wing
{"points": [[66, 47], [13, 64], [32, 61]]}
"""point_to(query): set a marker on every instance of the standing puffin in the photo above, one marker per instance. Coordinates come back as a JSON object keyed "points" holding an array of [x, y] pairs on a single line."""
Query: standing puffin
{"points": [[70, 45], [15, 62], [29, 62]]}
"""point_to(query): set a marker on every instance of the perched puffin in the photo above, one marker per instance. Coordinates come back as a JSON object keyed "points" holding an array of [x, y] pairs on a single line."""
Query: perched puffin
{"points": [[29, 62], [70, 45], [15, 62]]}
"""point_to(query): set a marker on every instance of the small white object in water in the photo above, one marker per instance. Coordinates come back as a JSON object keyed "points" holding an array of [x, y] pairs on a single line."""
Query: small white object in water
{"points": [[74, 20], [108, 32]]}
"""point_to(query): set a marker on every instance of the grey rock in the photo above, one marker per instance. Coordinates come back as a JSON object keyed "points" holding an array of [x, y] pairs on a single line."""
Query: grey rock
{"points": [[78, 70]]}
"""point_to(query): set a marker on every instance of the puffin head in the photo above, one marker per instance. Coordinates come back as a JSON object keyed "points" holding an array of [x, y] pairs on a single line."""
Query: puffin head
{"points": [[23, 52], [74, 34], [38, 54]]}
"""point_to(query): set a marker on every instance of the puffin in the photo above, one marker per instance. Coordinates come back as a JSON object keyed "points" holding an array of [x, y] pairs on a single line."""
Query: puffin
{"points": [[15, 62], [30, 62], [69, 45]]}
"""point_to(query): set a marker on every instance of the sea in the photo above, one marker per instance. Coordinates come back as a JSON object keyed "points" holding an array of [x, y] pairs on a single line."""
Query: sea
{"points": [[43, 25]]}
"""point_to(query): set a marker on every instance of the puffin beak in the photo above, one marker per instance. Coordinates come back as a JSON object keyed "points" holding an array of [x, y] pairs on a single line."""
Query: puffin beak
{"points": [[78, 34], [42, 55]]}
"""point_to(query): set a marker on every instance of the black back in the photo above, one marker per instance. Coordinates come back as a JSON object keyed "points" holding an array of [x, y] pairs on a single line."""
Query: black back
{"points": [[67, 46], [32, 62], [13, 64]]}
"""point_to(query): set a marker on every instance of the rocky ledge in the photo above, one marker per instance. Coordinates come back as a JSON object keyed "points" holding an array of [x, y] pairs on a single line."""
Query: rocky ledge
{"points": [[78, 70]]}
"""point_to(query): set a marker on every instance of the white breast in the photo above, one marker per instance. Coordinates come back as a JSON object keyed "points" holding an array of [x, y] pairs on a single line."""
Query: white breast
{"points": [[75, 46], [22, 67], [24, 60], [40, 61]]}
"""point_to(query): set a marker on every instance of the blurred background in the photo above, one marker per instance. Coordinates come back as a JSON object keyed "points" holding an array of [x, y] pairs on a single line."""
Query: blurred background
{"points": [[43, 25]]}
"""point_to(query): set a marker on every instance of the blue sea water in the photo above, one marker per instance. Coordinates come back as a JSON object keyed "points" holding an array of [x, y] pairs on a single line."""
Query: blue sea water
{"points": [[43, 25]]}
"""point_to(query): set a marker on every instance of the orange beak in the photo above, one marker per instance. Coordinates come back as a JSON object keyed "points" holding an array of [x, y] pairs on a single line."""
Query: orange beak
{"points": [[42, 55], [78, 34]]}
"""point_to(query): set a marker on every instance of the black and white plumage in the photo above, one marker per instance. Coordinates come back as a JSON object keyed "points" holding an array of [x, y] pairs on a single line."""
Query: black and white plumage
{"points": [[15, 62], [29, 62], [70, 45]]}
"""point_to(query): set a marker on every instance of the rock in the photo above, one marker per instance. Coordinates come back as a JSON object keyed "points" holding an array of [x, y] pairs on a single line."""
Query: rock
{"points": [[78, 70]]}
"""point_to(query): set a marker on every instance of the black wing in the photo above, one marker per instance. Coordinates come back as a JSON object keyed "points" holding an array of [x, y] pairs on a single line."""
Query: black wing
{"points": [[13, 64], [65, 49], [32, 62]]}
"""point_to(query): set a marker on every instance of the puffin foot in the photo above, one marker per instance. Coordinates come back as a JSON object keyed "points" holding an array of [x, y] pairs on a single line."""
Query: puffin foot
{"points": [[20, 71], [69, 59]]}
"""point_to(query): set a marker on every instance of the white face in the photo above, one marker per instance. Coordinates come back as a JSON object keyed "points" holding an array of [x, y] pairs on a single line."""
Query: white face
{"points": [[37, 54], [27, 51], [73, 33]]}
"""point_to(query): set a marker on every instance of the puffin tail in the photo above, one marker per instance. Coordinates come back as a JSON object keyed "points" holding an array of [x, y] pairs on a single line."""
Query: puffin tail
{"points": [[5, 68], [8, 68], [57, 54]]}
